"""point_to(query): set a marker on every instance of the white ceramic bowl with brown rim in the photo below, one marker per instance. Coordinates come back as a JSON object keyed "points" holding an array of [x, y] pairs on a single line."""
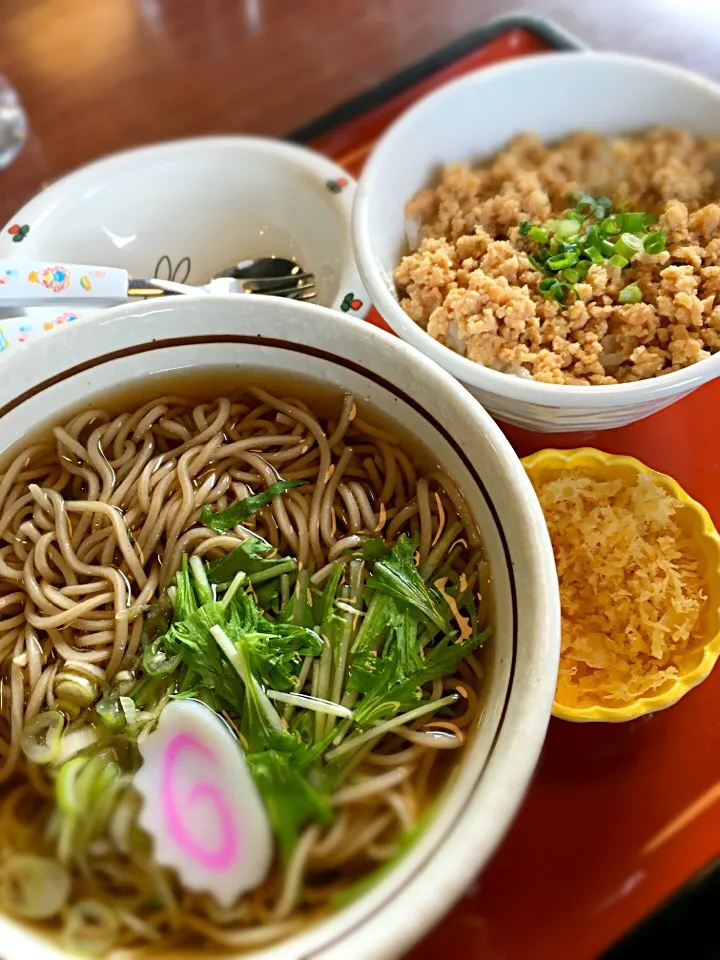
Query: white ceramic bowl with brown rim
{"points": [[472, 118], [131, 345]]}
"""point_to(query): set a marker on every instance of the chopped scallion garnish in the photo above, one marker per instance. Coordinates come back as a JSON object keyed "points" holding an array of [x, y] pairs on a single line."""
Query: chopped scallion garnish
{"points": [[655, 242], [539, 234], [610, 226], [630, 294], [555, 289], [561, 261], [582, 267], [589, 233], [585, 204], [618, 261], [603, 205], [536, 263], [632, 222], [567, 229], [627, 245]]}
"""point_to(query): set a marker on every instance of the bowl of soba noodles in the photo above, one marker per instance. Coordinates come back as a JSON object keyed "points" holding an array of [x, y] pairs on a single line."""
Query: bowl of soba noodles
{"points": [[279, 634]]}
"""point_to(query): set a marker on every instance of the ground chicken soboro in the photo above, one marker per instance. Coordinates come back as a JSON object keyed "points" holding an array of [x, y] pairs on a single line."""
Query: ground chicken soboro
{"points": [[470, 284]]}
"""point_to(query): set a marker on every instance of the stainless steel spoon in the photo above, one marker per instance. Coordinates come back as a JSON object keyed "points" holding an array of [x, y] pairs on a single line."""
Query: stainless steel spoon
{"points": [[27, 283]]}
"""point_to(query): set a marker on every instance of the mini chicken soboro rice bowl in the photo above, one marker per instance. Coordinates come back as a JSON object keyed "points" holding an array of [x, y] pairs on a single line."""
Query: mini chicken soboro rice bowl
{"points": [[591, 261], [574, 248]]}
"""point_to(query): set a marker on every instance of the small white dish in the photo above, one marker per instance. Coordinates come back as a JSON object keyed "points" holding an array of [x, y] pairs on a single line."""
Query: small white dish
{"points": [[132, 344], [474, 117], [18, 330], [186, 209]]}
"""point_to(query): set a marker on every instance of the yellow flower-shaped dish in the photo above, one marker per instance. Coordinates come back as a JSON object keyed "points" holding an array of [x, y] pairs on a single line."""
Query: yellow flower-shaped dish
{"points": [[697, 659]]}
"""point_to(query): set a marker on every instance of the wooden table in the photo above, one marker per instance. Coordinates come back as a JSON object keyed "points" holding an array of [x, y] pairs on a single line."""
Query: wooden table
{"points": [[100, 75]]}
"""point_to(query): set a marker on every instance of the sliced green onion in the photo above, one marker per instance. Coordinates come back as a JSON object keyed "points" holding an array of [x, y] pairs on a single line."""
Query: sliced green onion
{"points": [[40, 739], [84, 781], [584, 204], [618, 261], [582, 267], [123, 819], [34, 888], [546, 283], [609, 226], [602, 207], [86, 791], [562, 260], [630, 294], [127, 705], [567, 229], [91, 929], [555, 290], [102, 795], [536, 263], [593, 237], [75, 740], [73, 689], [111, 712], [539, 234], [655, 242], [66, 791], [627, 245], [632, 222], [558, 292], [575, 242]]}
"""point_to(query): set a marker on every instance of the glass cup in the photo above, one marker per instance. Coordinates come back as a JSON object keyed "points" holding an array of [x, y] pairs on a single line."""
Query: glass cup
{"points": [[13, 124]]}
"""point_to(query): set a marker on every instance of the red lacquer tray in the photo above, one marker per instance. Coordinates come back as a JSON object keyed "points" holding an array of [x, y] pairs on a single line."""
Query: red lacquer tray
{"points": [[618, 816]]}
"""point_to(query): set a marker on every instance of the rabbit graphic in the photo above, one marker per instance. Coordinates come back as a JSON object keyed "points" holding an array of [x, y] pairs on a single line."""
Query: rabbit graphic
{"points": [[164, 269]]}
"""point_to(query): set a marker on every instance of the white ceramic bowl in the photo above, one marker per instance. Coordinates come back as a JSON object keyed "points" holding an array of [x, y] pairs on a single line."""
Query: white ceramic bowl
{"points": [[132, 344], [474, 117], [186, 209]]}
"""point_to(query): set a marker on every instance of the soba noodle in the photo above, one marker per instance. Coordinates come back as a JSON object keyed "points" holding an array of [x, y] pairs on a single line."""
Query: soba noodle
{"points": [[95, 518]]}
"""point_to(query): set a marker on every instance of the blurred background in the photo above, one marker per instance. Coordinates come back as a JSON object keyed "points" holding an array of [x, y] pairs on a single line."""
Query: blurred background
{"points": [[98, 77]]}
